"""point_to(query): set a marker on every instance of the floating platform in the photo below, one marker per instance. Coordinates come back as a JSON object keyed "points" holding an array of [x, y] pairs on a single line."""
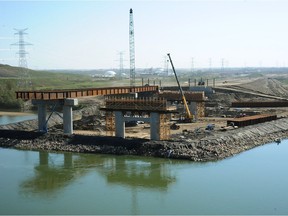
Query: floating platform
{"points": [[251, 120]]}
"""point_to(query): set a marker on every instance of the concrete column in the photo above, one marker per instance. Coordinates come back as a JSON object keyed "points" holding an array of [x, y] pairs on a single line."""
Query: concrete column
{"points": [[154, 126], [67, 115], [41, 105], [42, 126], [119, 124]]}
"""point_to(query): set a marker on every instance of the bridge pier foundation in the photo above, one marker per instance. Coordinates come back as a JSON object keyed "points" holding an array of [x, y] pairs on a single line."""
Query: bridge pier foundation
{"points": [[42, 126], [119, 124], [68, 115], [154, 121], [154, 126], [67, 105]]}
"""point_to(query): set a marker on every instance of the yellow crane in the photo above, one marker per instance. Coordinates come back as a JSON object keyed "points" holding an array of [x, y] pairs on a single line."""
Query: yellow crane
{"points": [[189, 116]]}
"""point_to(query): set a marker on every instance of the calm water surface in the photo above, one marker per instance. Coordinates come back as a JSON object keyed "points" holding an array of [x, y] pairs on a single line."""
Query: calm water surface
{"points": [[7, 119], [254, 182]]}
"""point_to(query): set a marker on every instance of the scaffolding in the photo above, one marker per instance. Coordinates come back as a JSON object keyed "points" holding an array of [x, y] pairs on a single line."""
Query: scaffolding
{"points": [[138, 108], [164, 127], [110, 123], [135, 104], [200, 106]]}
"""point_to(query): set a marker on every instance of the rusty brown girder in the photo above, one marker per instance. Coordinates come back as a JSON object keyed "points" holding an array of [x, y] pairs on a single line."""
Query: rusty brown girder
{"points": [[260, 104], [76, 93], [190, 96], [250, 120]]}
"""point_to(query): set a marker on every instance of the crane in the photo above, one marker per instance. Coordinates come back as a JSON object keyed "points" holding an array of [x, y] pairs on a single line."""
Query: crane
{"points": [[132, 49], [189, 116]]}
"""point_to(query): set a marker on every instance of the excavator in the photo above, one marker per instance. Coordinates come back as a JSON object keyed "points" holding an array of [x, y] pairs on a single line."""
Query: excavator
{"points": [[188, 118]]}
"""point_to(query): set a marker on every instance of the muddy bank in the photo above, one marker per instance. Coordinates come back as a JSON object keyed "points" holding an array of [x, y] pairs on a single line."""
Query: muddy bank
{"points": [[214, 146]]}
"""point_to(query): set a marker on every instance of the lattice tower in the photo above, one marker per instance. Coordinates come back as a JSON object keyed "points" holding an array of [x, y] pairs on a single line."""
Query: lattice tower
{"points": [[25, 79], [132, 49]]}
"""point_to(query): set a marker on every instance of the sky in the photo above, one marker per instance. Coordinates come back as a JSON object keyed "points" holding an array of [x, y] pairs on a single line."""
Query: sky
{"points": [[196, 33]]}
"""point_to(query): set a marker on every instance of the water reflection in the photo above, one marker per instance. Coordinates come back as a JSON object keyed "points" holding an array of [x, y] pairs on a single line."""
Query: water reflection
{"points": [[54, 171]]}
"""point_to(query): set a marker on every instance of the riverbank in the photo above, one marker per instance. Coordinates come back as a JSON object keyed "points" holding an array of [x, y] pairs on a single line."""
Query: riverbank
{"points": [[9, 113], [214, 146]]}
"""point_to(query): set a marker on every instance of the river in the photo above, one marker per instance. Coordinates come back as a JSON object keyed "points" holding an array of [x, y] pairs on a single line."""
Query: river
{"points": [[253, 182], [13, 117]]}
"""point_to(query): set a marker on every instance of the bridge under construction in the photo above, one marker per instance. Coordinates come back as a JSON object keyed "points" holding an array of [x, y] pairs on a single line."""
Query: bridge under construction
{"points": [[121, 105], [68, 98]]}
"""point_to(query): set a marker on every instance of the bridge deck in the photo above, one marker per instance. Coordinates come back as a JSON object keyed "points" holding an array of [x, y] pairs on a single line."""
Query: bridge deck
{"points": [[76, 93]]}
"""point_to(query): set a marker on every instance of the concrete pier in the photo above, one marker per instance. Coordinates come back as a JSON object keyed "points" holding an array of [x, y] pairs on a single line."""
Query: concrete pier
{"points": [[154, 121], [42, 126], [154, 126], [67, 105], [119, 124], [127, 109], [67, 115]]}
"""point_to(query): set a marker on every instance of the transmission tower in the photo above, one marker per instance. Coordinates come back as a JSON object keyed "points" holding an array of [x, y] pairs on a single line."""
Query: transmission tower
{"points": [[121, 64], [25, 80], [132, 49], [222, 64], [192, 64], [21, 44]]}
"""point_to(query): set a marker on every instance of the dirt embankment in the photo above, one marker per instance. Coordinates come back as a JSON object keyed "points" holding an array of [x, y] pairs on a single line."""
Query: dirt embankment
{"points": [[213, 147]]}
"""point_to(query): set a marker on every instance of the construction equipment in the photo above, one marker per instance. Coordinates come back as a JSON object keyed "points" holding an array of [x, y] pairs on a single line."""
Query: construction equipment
{"points": [[174, 126], [210, 127], [188, 117], [201, 82]]}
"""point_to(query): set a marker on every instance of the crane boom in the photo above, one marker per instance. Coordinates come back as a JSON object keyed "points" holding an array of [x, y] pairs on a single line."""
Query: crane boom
{"points": [[188, 113], [132, 49]]}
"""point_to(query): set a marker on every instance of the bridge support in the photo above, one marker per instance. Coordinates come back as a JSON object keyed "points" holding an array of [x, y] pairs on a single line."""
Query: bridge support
{"points": [[154, 126], [154, 121], [119, 124], [42, 126], [67, 105], [67, 115]]}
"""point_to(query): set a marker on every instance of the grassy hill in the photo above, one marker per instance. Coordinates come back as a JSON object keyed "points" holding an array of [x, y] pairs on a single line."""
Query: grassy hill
{"points": [[9, 71], [51, 79], [11, 80]]}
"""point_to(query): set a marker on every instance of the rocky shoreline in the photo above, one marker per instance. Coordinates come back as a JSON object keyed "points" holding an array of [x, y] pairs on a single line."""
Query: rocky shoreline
{"points": [[214, 146]]}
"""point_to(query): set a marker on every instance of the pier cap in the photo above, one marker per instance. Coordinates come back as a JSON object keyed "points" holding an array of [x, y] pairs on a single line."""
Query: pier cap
{"points": [[71, 101]]}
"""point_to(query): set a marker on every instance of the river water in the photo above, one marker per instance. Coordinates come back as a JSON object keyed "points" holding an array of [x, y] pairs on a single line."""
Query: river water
{"points": [[253, 182], [7, 119]]}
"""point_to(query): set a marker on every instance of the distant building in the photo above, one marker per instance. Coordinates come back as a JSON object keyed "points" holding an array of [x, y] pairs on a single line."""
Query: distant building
{"points": [[110, 74]]}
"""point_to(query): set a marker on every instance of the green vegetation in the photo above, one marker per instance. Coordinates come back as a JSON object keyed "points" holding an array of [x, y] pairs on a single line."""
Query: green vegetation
{"points": [[7, 95], [11, 80]]}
